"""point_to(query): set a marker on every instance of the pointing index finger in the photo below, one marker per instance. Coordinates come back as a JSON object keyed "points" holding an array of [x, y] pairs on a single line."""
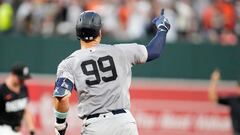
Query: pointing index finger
{"points": [[162, 11]]}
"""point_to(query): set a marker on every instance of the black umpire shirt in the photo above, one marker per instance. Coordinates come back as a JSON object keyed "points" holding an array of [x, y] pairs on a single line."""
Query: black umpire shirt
{"points": [[234, 103], [12, 106]]}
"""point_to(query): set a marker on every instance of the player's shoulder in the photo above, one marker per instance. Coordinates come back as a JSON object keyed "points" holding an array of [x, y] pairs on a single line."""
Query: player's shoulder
{"points": [[125, 45], [122, 47], [105, 46], [69, 59], [73, 55]]}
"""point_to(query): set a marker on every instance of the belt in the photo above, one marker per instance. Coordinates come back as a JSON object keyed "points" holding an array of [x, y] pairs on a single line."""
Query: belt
{"points": [[114, 112]]}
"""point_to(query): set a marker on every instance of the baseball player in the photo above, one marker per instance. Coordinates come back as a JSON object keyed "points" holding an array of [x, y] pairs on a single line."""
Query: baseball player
{"points": [[13, 102], [233, 101], [101, 75]]}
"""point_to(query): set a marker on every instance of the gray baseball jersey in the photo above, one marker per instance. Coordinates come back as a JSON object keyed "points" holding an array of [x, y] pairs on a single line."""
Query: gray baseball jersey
{"points": [[102, 76]]}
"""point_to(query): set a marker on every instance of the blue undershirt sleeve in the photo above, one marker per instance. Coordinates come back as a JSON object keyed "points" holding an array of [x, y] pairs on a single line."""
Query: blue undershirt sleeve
{"points": [[156, 45]]}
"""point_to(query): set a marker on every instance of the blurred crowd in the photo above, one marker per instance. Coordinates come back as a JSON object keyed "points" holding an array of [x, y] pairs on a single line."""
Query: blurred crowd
{"points": [[217, 21]]}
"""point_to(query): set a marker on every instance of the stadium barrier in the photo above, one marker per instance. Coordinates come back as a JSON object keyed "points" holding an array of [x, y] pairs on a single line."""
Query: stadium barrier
{"points": [[160, 106], [179, 60]]}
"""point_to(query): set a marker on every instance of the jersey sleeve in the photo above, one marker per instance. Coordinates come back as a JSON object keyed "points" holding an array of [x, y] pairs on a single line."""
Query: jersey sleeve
{"points": [[136, 54], [65, 81], [224, 100], [64, 71]]}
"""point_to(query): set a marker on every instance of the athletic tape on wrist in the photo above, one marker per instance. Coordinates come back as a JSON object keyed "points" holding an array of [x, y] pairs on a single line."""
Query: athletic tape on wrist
{"points": [[60, 115]]}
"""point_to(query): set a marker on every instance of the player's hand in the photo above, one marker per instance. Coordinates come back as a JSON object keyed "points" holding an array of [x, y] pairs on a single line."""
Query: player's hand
{"points": [[60, 129], [216, 75], [161, 22]]}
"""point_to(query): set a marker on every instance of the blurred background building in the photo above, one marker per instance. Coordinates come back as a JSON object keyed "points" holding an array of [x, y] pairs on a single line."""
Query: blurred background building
{"points": [[169, 95]]}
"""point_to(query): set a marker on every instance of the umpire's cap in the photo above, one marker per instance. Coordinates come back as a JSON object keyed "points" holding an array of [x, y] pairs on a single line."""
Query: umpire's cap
{"points": [[22, 71], [88, 26]]}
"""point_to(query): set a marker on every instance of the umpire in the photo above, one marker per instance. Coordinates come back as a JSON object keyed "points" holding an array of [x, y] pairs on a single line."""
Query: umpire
{"points": [[232, 101], [13, 102]]}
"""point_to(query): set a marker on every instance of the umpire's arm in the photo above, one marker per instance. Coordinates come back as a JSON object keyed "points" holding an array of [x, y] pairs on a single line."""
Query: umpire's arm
{"points": [[28, 119], [212, 89]]}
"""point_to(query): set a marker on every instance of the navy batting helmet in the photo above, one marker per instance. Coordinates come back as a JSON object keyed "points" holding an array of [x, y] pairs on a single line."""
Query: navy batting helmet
{"points": [[88, 26]]}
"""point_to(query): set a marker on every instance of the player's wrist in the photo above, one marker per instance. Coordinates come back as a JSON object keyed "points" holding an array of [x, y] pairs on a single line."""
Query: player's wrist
{"points": [[60, 115], [162, 32], [163, 25], [60, 121]]}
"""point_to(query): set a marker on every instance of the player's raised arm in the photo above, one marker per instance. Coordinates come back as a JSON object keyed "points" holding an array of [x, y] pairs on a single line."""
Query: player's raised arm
{"points": [[156, 45], [62, 91], [212, 89]]}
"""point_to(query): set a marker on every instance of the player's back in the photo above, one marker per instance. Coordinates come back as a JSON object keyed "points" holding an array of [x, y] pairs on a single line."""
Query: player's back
{"points": [[102, 77]]}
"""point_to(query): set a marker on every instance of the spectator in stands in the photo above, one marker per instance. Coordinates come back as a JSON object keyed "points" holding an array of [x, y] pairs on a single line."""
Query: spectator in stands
{"points": [[169, 6], [23, 17], [138, 19], [196, 20], [237, 28], [219, 22], [6, 16], [92, 5], [110, 17], [232, 101], [124, 13], [66, 16], [186, 23], [227, 36]]}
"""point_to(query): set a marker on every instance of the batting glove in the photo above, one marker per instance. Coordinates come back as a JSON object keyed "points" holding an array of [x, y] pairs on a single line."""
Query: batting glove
{"points": [[161, 22], [60, 129]]}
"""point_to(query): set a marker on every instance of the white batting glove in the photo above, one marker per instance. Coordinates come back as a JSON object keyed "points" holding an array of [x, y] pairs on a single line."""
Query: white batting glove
{"points": [[60, 129]]}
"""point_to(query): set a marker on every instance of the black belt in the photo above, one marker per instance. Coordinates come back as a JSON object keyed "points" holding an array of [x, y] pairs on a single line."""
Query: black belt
{"points": [[114, 112]]}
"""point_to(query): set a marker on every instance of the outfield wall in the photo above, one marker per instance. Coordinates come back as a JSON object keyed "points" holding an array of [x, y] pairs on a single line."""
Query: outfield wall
{"points": [[179, 60], [160, 106]]}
